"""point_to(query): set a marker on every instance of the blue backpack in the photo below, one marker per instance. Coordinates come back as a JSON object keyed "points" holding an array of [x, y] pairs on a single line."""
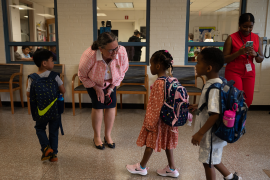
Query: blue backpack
{"points": [[230, 97], [44, 93], [174, 112]]}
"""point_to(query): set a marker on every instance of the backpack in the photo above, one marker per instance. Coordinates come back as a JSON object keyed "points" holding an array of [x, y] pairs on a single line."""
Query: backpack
{"points": [[43, 97], [230, 97], [174, 111]]}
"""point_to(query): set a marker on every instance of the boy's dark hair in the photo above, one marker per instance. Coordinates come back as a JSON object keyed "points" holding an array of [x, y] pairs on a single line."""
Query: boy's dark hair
{"points": [[213, 57], [41, 55], [163, 57], [24, 47], [136, 32], [191, 36], [246, 17]]}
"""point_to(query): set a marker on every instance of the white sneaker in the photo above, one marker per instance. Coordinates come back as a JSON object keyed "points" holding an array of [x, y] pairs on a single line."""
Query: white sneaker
{"points": [[168, 172], [136, 169]]}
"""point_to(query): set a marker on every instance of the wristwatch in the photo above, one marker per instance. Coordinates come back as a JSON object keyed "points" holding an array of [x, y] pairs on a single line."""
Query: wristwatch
{"points": [[111, 89], [257, 54]]}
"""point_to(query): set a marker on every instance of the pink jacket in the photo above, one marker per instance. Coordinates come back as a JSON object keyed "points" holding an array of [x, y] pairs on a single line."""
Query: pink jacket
{"points": [[91, 71]]}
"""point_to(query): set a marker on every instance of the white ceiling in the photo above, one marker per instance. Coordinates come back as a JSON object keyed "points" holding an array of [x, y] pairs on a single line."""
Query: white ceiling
{"points": [[210, 6], [205, 6], [109, 5], [46, 3]]}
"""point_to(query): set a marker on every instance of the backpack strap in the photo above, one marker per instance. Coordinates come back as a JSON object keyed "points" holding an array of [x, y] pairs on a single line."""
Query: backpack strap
{"points": [[34, 76], [207, 96], [204, 106], [165, 79], [231, 83], [53, 75]]}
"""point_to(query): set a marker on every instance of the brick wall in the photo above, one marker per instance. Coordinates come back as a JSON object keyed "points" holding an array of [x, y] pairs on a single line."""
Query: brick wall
{"points": [[2, 40], [75, 29], [262, 90], [168, 29]]}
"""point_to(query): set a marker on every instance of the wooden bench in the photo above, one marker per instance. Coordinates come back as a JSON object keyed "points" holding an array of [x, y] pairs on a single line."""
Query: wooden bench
{"points": [[10, 81], [187, 76], [80, 89], [135, 82]]}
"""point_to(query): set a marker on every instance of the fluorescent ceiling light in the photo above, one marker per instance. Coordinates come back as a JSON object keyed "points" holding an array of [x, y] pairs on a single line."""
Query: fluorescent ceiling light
{"points": [[124, 5], [46, 15], [230, 7], [101, 14], [26, 16], [21, 7]]}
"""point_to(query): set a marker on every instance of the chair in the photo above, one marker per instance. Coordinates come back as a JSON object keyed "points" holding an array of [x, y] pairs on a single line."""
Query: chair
{"points": [[59, 68], [10, 81], [186, 75], [80, 89], [134, 82]]}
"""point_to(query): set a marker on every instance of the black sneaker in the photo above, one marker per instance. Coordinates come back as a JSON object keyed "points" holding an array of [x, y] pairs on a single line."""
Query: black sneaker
{"points": [[46, 153], [235, 177], [54, 158]]}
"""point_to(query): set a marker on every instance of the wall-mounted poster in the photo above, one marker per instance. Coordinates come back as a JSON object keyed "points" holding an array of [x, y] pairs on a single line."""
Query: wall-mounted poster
{"points": [[224, 37], [196, 30], [203, 30], [143, 31]]}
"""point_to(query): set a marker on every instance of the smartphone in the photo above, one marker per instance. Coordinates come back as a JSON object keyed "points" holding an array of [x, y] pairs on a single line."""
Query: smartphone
{"points": [[249, 43], [107, 100]]}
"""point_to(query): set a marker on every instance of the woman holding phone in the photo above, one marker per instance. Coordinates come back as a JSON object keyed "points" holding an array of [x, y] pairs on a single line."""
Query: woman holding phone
{"points": [[239, 55]]}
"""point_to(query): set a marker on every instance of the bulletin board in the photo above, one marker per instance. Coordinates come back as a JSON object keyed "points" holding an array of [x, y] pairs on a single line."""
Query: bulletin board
{"points": [[200, 31]]}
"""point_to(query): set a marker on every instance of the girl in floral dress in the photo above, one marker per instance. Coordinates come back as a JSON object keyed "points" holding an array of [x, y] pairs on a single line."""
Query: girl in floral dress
{"points": [[155, 134]]}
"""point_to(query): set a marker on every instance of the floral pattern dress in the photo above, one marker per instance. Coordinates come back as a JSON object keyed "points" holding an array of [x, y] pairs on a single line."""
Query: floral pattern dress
{"points": [[155, 133]]}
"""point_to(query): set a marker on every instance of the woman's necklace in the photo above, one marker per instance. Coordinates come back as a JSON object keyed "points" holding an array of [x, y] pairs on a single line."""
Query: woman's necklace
{"points": [[107, 62]]}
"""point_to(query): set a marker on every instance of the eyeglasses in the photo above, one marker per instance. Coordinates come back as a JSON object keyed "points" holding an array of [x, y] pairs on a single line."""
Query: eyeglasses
{"points": [[113, 50]]}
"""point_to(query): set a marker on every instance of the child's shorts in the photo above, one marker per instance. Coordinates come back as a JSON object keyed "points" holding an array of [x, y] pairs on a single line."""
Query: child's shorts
{"points": [[204, 155]]}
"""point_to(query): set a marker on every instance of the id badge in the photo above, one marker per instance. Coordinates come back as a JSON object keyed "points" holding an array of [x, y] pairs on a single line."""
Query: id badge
{"points": [[248, 67]]}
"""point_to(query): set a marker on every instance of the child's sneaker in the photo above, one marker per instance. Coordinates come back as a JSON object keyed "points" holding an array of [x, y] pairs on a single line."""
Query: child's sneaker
{"points": [[168, 172], [136, 169], [46, 153], [235, 177], [54, 158]]}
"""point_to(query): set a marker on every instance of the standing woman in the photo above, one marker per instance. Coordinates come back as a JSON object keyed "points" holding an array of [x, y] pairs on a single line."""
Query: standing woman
{"points": [[239, 59], [102, 67]]}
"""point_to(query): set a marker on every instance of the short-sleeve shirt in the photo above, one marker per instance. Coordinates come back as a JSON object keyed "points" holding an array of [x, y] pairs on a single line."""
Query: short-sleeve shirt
{"points": [[25, 56], [44, 74], [212, 107]]}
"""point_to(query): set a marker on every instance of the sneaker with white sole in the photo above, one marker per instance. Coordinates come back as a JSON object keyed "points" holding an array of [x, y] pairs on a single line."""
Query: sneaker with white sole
{"points": [[168, 172], [235, 177], [136, 169]]}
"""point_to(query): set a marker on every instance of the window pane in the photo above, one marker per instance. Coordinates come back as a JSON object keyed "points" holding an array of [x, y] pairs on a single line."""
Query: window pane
{"points": [[25, 53], [31, 20], [194, 51], [136, 53], [123, 18], [213, 21]]}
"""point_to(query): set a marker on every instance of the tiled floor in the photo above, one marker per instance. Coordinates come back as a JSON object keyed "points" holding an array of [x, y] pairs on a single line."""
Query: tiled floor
{"points": [[79, 159]]}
